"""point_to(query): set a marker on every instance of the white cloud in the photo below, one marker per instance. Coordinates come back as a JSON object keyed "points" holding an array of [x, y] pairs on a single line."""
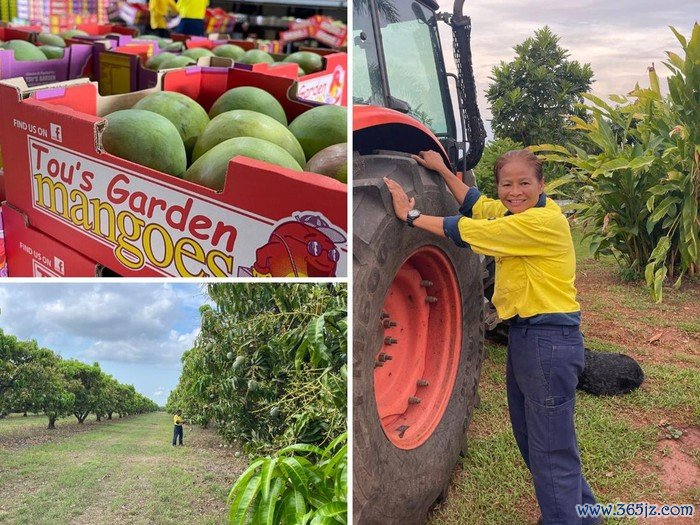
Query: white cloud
{"points": [[124, 322], [619, 39]]}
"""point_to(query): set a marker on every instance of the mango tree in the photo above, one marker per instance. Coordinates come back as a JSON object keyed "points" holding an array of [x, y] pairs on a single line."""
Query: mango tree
{"points": [[85, 383], [269, 366]]}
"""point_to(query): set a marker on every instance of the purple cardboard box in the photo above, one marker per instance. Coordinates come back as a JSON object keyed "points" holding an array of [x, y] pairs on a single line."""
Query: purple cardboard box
{"points": [[75, 59]]}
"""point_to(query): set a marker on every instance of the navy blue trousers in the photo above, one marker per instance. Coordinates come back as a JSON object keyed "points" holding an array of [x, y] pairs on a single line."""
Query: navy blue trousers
{"points": [[542, 372], [190, 26], [177, 434]]}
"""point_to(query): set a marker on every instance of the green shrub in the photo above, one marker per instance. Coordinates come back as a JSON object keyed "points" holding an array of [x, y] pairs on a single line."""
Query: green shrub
{"points": [[640, 178], [302, 484]]}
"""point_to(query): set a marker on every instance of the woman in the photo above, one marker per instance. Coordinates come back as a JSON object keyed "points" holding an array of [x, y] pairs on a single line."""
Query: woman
{"points": [[535, 268]]}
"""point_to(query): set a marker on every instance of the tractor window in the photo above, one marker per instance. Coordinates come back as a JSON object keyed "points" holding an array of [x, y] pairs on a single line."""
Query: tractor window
{"points": [[366, 79], [410, 40]]}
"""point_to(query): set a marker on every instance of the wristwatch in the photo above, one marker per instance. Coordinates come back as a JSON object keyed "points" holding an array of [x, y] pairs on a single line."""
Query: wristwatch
{"points": [[412, 216]]}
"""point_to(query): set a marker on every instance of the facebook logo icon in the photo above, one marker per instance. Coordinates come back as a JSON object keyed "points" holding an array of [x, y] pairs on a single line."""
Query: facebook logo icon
{"points": [[59, 265], [56, 133]]}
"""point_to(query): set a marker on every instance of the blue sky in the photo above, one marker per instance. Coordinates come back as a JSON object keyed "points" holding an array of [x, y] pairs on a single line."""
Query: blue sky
{"points": [[620, 39], [136, 331]]}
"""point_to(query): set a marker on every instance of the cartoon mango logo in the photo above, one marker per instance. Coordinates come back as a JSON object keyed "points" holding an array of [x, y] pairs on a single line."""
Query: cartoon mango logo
{"points": [[306, 246]]}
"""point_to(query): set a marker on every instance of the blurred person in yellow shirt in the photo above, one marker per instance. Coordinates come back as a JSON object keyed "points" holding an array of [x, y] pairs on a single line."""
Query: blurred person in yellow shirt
{"points": [[192, 13], [160, 9]]}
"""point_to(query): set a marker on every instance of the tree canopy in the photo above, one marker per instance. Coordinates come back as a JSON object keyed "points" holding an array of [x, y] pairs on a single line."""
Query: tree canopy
{"points": [[34, 379], [532, 95]]}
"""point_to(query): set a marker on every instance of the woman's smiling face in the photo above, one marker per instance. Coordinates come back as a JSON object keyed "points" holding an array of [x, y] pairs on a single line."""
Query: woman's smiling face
{"points": [[518, 187]]}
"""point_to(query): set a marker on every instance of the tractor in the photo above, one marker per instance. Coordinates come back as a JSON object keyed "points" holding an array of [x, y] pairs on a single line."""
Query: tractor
{"points": [[418, 307]]}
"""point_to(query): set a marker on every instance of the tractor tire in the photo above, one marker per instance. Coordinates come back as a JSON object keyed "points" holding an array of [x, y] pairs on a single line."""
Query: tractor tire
{"points": [[401, 470]]}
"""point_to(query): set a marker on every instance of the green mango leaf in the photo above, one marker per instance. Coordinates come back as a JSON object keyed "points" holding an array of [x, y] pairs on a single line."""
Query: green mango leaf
{"points": [[296, 474], [301, 352], [650, 203], [302, 447], [317, 346], [549, 147], [337, 509], [266, 473], [649, 273], [294, 507], [271, 503], [680, 37], [243, 502], [661, 249], [243, 479], [341, 455]]}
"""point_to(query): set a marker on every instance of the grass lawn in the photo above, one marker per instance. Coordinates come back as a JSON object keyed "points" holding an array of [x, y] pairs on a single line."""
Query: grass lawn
{"points": [[119, 471], [626, 450]]}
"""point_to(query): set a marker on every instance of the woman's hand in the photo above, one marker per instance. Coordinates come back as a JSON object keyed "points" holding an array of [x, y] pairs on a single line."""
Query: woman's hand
{"points": [[402, 204], [431, 160]]}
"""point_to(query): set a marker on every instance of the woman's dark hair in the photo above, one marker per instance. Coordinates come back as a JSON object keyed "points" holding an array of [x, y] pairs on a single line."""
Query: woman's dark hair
{"points": [[524, 155]]}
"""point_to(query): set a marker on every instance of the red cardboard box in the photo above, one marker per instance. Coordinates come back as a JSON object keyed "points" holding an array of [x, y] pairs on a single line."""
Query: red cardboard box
{"points": [[30, 253], [137, 221]]}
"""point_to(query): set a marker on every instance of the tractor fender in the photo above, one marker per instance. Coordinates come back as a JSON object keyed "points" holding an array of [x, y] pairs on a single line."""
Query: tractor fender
{"points": [[378, 128]]}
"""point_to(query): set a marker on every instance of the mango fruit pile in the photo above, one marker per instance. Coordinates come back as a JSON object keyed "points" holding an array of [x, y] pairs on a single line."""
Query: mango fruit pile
{"points": [[172, 133]]}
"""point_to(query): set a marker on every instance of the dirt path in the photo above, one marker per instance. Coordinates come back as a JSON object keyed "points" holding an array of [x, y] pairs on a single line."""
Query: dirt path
{"points": [[120, 471]]}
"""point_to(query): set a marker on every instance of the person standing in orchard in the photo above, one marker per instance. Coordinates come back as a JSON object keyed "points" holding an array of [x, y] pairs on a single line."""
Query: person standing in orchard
{"points": [[178, 431], [530, 239]]}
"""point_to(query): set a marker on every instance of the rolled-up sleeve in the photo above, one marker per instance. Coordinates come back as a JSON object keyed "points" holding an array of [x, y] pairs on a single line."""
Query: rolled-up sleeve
{"points": [[450, 225], [470, 199]]}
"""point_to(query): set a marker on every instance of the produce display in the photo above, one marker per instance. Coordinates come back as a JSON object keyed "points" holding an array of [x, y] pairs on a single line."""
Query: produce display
{"points": [[307, 61], [252, 98], [23, 50], [229, 51], [189, 118], [199, 149], [319, 128], [241, 134], [146, 138]]}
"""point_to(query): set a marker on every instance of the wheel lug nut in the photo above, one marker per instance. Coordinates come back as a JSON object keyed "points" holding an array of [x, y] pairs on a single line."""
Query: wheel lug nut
{"points": [[413, 400], [425, 283], [422, 382], [431, 299], [384, 315], [385, 357], [390, 341], [389, 324]]}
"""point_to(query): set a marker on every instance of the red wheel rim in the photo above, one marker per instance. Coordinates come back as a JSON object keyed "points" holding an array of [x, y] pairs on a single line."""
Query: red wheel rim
{"points": [[416, 367]]}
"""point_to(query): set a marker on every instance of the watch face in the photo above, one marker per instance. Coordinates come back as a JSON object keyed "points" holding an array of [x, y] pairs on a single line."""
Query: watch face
{"points": [[414, 214]]}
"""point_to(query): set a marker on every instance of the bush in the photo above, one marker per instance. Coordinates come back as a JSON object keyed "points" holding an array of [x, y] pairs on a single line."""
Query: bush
{"points": [[301, 484], [641, 176]]}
